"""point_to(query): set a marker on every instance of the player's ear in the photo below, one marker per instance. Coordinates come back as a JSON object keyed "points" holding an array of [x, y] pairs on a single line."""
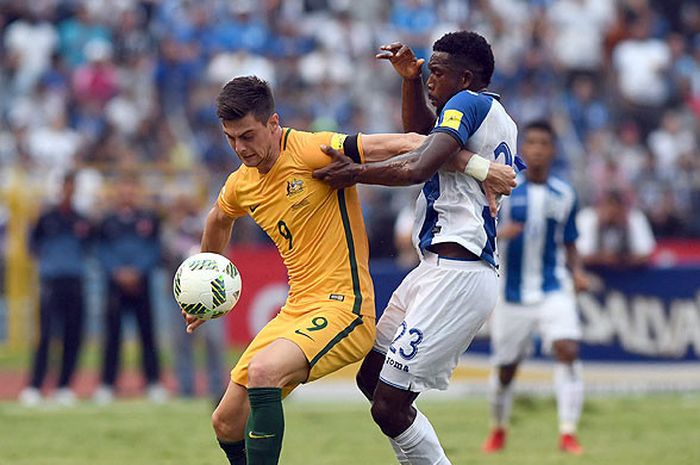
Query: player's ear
{"points": [[273, 122], [467, 78]]}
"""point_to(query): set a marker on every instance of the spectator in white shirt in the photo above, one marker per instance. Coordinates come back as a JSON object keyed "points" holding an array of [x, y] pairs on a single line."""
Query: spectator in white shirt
{"points": [[614, 234]]}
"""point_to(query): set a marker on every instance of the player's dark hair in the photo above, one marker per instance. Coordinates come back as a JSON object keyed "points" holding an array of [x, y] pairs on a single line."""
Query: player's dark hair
{"points": [[541, 125], [471, 52], [243, 95]]}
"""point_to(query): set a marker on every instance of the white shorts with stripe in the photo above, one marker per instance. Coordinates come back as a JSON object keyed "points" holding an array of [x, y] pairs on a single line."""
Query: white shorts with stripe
{"points": [[514, 325], [431, 319]]}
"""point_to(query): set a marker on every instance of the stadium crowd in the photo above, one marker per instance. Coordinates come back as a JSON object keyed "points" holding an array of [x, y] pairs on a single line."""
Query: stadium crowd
{"points": [[102, 86]]}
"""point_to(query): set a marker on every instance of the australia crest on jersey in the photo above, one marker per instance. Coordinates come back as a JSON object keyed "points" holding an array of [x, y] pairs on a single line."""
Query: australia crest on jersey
{"points": [[294, 187]]}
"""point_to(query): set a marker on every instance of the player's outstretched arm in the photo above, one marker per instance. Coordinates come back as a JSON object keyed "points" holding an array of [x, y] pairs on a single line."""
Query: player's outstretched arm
{"points": [[415, 113], [217, 233], [414, 167], [380, 147]]}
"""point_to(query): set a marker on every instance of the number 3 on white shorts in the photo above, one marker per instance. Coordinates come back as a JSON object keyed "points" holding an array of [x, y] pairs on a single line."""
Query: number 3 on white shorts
{"points": [[415, 336]]}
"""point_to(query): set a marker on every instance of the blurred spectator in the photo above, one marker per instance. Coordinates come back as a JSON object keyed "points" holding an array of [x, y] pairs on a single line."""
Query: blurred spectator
{"points": [[182, 238], [29, 43], [642, 63], [60, 242], [578, 33], [670, 142], [129, 249], [614, 234]]}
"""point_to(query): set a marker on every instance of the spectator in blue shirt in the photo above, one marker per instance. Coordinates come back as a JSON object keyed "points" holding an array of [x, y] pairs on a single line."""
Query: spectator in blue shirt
{"points": [[60, 242], [129, 249]]}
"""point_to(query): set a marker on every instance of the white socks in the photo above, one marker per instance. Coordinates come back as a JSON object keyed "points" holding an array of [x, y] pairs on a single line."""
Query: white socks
{"points": [[568, 386], [501, 398], [420, 444], [400, 456]]}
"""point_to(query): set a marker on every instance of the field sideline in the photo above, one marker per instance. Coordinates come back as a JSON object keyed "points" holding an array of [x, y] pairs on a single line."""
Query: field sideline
{"points": [[640, 430]]}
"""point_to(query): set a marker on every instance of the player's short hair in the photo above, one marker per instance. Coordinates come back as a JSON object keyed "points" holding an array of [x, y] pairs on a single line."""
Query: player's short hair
{"points": [[541, 125], [471, 51], [243, 95]]}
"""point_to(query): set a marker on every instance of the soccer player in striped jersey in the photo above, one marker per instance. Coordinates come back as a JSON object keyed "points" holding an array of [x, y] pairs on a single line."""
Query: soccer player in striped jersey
{"points": [[542, 269], [437, 309]]}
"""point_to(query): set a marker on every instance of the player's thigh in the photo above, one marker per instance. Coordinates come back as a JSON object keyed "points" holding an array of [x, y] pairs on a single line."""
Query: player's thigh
{"points": [[280, 363], [512, 326], [559, 319], [441, 320], [395, 311], [328, 337]]}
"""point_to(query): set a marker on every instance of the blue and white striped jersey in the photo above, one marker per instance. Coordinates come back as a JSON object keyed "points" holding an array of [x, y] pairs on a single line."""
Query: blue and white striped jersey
{"points": [[452, 207], [534, 260]]}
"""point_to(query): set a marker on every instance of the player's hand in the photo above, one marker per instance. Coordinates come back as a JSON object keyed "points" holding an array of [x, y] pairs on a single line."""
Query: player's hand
{"points": [[404, 60], [191, 323], [581, 281], [500, 180], [340, 173], [510, 230]]}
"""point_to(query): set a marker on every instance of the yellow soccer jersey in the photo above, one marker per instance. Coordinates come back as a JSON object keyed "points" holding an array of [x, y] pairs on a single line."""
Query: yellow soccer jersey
{"points": [[318, 231]]}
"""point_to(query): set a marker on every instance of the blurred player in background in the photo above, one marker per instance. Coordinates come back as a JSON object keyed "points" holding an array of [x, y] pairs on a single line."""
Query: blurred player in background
{"points": [[539, 234], [328, 319], [434, 314], [129, 249], [60, 241]]}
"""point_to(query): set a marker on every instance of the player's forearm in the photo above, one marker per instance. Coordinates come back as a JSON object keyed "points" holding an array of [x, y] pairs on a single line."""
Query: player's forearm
{"points": [[573, 260], [217, 231], [415, 113]]}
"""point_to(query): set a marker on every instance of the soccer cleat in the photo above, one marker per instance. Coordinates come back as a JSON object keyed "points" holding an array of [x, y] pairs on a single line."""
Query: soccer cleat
{"points": [[569, 444], [495, 442], [30, 397]]}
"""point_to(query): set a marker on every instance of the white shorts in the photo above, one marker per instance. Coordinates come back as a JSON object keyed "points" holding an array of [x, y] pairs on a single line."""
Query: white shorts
{"points": [[431, 319], [513, 326]]}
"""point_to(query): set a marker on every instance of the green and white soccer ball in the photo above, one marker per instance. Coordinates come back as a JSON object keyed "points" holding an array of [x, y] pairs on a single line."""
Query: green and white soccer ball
{"points": [[207, 285]]}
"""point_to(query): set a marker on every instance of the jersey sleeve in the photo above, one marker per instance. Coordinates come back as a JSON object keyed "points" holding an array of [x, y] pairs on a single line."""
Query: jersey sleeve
{"points": [[462, 115], [570, 229], [227, 198], [307, 147]]}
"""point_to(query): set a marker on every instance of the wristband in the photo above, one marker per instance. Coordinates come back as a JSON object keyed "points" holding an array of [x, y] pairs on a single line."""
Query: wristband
{"points": [[477, 168]]}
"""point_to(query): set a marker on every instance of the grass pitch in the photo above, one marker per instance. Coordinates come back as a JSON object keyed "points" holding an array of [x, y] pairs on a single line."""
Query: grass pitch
{"points": [[659, 429]]}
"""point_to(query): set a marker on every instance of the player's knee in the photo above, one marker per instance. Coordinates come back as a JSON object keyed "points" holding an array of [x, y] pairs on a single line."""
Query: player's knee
{"points": [[565, 350], [506, 373], [226, 424], [391, 419]]}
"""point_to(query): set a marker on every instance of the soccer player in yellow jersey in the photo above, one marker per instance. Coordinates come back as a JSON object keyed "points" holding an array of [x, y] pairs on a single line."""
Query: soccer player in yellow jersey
{"points": [[328, 321]]}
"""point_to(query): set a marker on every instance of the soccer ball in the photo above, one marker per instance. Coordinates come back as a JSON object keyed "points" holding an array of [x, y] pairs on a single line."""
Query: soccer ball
{"points": [[207, 285]]}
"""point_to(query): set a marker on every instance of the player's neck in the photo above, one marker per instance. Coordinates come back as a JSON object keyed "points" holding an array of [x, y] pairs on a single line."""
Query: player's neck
{"points": [[537, 176], [275, 149]]}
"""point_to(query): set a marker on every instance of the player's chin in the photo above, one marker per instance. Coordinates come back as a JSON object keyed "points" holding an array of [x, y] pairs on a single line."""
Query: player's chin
{"points": [[251, 161]]}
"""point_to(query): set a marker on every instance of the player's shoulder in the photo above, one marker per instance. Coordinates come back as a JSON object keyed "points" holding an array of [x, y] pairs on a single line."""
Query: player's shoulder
{"points": [[560, 186], [473, 100], [296, 139]]}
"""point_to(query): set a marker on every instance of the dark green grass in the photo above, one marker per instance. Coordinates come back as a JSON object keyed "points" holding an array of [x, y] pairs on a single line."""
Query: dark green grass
{"points": [[653, 430]]}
